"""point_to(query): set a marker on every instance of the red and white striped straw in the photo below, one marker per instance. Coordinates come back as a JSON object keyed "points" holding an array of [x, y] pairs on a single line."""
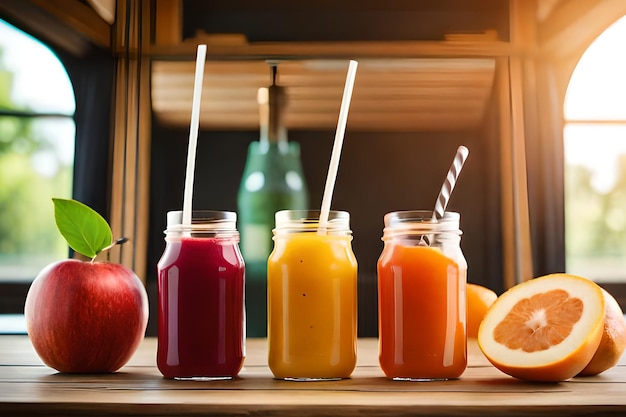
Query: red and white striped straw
{"points": [[448, 185]]}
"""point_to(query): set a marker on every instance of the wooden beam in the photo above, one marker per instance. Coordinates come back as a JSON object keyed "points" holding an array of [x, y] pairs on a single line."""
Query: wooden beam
{"points": [[573, 25], [131, 139], [516, 236], [506, 174], [44, 26], [324, 50], [168, 22], [144, 144], [523, 244], [81, 18], [105, 9]]}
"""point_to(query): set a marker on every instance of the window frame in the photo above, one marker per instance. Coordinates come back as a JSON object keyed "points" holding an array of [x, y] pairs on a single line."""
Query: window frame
{"points": [[565, 69], [13, 291]]}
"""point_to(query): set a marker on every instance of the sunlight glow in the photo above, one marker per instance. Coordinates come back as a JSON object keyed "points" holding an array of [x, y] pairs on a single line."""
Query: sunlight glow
{"points": [[36, 153], [597, 89], [597, 148], [595, 160], [36, 69], [597, 92]]}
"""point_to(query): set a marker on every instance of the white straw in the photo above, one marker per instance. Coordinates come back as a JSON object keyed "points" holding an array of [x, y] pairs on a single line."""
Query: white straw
{"points": [[336, 153], [193, 135]]}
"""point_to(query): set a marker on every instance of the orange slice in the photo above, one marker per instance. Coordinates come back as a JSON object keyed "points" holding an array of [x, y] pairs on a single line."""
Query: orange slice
{"points": [[479, 299], [545, 329]]}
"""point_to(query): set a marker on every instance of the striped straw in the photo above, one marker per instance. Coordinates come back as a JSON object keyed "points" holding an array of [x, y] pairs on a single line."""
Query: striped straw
{"points": [[448, 185]]}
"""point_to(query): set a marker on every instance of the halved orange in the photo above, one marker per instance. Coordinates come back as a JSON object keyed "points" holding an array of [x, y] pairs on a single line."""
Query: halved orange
{"points": [[545, 329]]}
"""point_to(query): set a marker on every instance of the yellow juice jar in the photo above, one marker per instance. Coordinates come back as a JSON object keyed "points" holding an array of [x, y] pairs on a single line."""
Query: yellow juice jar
{"points": [[312, 297]]}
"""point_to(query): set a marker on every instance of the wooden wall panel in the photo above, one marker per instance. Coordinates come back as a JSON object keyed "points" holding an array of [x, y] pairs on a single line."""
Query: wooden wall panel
{"points": [[131, 139]]}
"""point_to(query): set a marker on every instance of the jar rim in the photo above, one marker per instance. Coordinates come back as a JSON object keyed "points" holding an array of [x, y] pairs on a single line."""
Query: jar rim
{"points": [[419, 216], [308, 221], [419, 222], [210, 221], [309, 216]]}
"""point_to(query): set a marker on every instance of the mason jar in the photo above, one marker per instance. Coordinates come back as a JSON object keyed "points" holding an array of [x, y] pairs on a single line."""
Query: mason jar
{"points": [[201, 323], [422, 277], [312, 297]]}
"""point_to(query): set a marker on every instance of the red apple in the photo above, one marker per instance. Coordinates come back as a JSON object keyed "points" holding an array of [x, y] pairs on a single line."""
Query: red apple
{"points": [[86, 317]]}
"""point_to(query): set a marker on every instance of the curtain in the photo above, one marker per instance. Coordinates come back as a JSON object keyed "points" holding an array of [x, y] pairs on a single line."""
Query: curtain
{"points": [[545, 164], [93, 80]]}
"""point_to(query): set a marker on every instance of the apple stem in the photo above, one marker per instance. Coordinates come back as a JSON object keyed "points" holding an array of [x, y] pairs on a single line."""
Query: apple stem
{"points": [[119, 241]]}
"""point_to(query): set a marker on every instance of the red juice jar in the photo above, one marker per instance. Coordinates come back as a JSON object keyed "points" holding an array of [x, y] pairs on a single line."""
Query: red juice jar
{"points": [[201, 325]]}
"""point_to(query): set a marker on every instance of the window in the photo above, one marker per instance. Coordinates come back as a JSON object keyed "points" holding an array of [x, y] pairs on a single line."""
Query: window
{"points": [[37, 135], [595, 160]]}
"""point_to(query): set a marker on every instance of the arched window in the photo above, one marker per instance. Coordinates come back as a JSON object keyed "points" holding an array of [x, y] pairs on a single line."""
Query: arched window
{"points": [[37, 134], [595, 160]]}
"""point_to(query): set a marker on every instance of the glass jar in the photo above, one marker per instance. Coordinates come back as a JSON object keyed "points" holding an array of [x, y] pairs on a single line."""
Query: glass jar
{"points": [[201, 324], [422, 277], [312, 297]]}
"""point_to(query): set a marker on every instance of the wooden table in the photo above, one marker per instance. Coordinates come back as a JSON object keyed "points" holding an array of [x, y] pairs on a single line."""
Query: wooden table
{"points": [[27, 387]]}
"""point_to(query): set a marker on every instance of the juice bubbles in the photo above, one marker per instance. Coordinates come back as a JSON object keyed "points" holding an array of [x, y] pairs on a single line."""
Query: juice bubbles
{"points": [[312, 298], [421, 298], [201, 298]]}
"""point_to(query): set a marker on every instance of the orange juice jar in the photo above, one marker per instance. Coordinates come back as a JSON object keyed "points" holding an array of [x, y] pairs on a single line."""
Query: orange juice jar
{"points": [[422, 276], [312, 297]]}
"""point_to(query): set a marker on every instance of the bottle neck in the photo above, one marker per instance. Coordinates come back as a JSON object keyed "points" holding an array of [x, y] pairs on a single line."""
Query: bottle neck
{"points": [[264, 134], [273, 118], [279, 141]]}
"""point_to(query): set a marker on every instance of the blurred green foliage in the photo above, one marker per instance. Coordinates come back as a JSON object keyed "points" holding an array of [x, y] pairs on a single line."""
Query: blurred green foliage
{"points": [[595, 221], [28, 235]]}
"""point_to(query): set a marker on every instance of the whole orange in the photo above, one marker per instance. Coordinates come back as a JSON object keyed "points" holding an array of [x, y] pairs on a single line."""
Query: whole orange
{"points": [[479, 299], [613, 340]]}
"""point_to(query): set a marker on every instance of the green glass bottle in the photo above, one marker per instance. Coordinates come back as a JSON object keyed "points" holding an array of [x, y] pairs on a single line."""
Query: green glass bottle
{"points": [[272, 180]]}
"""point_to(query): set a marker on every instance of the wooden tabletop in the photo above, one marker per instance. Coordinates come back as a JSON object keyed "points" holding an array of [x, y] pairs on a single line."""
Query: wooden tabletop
{"points": [[27, 387]]}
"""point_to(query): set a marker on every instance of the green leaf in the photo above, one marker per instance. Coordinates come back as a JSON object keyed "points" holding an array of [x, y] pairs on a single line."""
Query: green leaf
{"points": [[83, 228]]}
